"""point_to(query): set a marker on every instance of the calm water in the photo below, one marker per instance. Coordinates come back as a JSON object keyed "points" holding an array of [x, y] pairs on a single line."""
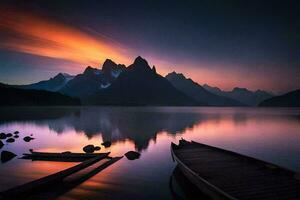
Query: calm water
{"points": [[269, 134]]}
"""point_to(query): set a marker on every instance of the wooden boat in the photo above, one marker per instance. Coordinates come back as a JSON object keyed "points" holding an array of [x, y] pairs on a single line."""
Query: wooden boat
{"points": [[34, 186], [223, 174], [61, 157]]}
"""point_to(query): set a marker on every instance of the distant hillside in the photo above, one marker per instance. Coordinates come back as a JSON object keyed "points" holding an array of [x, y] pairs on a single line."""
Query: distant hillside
{"points": [[11, 96], [138, 84], [197, 92], [290, 99], [53, 84], [243, 95]]}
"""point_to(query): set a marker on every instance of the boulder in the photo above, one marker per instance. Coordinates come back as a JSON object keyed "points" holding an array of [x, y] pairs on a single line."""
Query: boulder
{"points": [[7, 156], [16, 132], [9, 135], [132, 155], [89, 148], [16, 136], [1, 144], [66, 152], [2, 136], [97, 148], [10, 140], [106, 144], [28, 139]]}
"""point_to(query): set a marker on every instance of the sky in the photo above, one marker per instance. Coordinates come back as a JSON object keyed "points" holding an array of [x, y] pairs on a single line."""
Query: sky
{"points": [[224, 43]]}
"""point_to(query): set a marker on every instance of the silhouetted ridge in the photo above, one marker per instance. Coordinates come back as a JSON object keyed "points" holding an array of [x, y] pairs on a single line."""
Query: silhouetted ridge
{"points": [[53, 84], [290, 99], [243, 95], [197, 92], [27, 97]]}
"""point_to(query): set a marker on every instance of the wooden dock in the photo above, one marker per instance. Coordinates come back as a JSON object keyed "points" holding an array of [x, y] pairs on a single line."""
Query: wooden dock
{"points": [[223, 174], [36, 186], [60, 157]]}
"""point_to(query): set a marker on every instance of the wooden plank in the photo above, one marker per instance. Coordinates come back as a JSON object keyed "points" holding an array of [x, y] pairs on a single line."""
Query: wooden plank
{"points": [[71, 182], [61, 157], [42, 182]]}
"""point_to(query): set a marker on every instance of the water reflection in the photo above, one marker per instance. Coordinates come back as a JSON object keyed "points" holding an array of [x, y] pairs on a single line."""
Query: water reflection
{"points": [[135, 124], [268, 134]]}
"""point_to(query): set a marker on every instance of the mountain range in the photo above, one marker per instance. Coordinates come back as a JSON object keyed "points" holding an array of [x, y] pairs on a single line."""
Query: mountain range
{"points": [[139, 84], [243, 95], [196, 91]]}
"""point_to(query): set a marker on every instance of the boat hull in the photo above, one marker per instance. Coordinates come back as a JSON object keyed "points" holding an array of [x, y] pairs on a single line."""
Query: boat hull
{"points": [[204, 186]]}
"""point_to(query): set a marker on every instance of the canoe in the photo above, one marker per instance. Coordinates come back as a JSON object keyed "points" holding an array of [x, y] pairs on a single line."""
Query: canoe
{"points": [[61, 157], [222, 174]]}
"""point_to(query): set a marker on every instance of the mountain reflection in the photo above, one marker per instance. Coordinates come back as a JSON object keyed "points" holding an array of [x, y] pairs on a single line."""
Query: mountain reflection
{"points": [[139, 125]]}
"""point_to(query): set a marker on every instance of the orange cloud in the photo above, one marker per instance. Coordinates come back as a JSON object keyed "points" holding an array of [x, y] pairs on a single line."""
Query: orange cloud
{"points": [[36, 35]]}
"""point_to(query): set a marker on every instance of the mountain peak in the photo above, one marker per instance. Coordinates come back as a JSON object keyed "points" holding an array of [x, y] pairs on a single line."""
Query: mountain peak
{"points": [[175, 75], [108, 65], [108, 62], [59, 76], [140, 61], [140, 64], [90, 70]]}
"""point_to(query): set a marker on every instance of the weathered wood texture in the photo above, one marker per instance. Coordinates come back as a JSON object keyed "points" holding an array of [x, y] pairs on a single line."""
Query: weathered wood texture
{"points": [[239, 176], [35, 185], [61, 157]]}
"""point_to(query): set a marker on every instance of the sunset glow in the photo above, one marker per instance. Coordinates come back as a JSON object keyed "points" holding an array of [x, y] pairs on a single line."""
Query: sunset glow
{"points": [[35, 35]]}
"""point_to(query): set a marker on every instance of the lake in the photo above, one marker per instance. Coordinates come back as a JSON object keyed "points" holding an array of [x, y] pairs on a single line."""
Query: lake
{"points": [[270, 134]]}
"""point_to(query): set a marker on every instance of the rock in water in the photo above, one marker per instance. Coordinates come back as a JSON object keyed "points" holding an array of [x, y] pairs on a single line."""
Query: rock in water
{"points": [[9, 134], [106, 144], [16, 136], [28, 139], [132, 155], [2, 136], [66, 152], [7, 156], [89, 148], [97, 148], [10, 140], [16, 132], [1, 144]]}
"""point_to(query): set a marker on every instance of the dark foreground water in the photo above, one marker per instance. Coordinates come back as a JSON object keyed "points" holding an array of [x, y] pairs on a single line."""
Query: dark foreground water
{"points": [[269, 134]]}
